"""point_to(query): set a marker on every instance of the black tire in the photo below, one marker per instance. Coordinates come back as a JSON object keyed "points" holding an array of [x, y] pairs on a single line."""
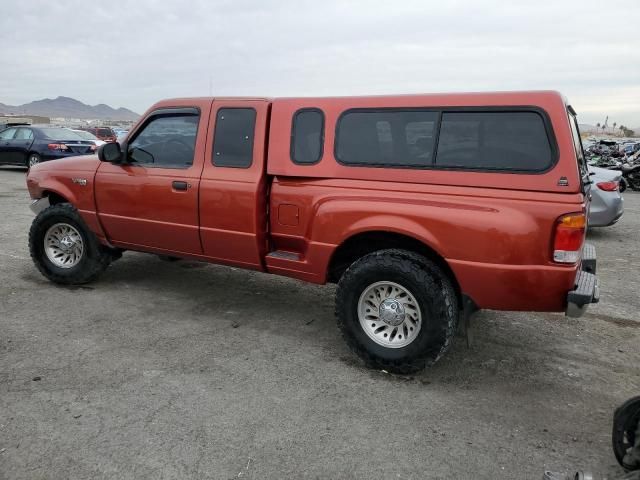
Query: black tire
{"points": [[623, 184], [626, 422], [95, 258], [36, 160], [633, 181], [433, 292]]}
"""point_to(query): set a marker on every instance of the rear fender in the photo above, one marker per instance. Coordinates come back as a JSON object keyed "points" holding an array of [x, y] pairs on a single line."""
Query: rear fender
{"points": [[393, 224]]}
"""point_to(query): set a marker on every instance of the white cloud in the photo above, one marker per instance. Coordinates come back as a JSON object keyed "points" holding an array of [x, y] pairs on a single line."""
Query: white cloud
{"points": [[135, 52]]}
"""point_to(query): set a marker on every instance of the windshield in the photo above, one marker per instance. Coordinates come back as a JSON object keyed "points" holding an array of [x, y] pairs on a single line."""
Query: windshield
{"points": [[105, 132], [60, 134], [577, 142]]}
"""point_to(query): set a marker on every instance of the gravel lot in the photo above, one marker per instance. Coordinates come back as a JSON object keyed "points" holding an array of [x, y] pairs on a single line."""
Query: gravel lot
{"points": [[186, 370]]}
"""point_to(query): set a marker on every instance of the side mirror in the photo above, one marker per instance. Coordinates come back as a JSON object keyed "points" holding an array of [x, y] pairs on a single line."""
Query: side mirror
{"points": [[110, 152]]}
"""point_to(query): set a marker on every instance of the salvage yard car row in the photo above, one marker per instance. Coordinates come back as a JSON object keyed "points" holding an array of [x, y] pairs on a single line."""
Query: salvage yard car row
{"points": [[28, 145]]}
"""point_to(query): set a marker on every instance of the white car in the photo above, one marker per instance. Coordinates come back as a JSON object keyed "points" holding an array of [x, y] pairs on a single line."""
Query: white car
{"points": [[121, 135], [89, 136], [607, 205]]}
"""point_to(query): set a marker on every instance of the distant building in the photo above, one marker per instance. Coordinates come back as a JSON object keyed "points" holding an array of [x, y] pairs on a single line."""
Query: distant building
{"points": [[8, 120]]}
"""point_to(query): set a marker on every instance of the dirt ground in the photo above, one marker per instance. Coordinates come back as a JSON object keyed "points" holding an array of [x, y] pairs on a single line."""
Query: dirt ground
{"points": [[186, 370]]}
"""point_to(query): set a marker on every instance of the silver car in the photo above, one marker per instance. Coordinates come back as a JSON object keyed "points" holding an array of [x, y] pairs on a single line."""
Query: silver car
{"points": [[607, 205]]}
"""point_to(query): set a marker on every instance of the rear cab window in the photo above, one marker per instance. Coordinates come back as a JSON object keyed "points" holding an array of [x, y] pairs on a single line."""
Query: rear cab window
{"points": [[307, 136], [233, 137]]}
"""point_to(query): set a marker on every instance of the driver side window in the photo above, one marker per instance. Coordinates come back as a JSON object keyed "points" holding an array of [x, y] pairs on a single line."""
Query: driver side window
{"points": [[7, 134], [167, 141]]}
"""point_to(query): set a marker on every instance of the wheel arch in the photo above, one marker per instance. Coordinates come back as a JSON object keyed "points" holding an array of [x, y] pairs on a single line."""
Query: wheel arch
{"points": [[90, 217], [366, 242], [54, 197], [56, 190], [26, 155]]}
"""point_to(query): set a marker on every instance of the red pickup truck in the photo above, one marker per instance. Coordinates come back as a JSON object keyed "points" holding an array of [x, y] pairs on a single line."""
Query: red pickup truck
{"points": [[423, 208]]}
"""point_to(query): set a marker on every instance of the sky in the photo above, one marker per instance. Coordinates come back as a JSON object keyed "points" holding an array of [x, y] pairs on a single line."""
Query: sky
{"points": [[134, 53]]}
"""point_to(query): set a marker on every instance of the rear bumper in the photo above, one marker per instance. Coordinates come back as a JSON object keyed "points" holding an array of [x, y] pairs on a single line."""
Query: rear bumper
{"points": [[606, 209], [586, 290]]}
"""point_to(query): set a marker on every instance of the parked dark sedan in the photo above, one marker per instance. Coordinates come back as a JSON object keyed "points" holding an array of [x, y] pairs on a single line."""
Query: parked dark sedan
{"points": [[29, 145]]}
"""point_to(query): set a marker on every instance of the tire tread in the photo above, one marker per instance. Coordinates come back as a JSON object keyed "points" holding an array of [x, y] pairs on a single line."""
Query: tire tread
{"points": [[431, 278], [97, 258]]}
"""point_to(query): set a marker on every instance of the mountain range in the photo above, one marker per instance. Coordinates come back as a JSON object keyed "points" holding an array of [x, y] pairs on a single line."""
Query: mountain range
{"points": [[69, 108]]}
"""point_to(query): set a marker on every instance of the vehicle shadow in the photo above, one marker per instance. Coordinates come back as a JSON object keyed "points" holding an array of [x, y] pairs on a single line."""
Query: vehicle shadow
{"points": [[617, 233], [504, 345]]}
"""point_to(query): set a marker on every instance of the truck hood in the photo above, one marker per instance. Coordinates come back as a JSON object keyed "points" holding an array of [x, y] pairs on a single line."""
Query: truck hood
{"points": [[81, 163]]}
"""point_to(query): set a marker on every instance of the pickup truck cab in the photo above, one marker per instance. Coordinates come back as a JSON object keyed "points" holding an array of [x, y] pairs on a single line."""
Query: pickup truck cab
{"points": [[423, 208]]}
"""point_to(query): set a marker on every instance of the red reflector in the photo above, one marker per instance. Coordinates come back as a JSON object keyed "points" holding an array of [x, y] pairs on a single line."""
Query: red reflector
{"points": [[568, 239], [607, 186]]}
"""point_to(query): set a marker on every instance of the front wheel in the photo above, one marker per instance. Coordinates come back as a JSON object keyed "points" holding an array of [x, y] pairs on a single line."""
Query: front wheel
{"points": [[64, 249], [397, 310], [33, 159]]}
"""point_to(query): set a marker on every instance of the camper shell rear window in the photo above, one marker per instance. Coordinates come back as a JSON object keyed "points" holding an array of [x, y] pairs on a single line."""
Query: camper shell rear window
{"points": [[518, 139]]}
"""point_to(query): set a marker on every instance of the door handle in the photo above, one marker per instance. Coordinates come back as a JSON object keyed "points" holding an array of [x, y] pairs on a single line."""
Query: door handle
{"points": [[178, 185]]}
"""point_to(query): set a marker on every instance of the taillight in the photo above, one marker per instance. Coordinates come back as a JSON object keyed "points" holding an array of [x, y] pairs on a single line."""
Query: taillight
{"points": [[57, 146], [569, 236], [93, 147], [608, 186]]}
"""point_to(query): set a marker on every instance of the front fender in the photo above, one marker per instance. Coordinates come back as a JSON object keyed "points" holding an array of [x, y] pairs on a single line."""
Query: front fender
{"points": [[75, 188]]}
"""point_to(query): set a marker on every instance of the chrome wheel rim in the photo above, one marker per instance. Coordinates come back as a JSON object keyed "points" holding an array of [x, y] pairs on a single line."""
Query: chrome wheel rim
{"points": [[63, 245], [389, 314], [33, 160]]}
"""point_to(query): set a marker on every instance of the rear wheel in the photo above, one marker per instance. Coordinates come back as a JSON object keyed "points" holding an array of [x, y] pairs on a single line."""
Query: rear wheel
{"points": [[33, 159], [633, 181], [64, 249], [623, 185], [626, 425], [396, 310]]}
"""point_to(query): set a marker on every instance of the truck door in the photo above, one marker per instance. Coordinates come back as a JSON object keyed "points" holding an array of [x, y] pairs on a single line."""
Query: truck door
{"points": [[150, 201], [7, 151], [233, 188], [22, 142]]}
